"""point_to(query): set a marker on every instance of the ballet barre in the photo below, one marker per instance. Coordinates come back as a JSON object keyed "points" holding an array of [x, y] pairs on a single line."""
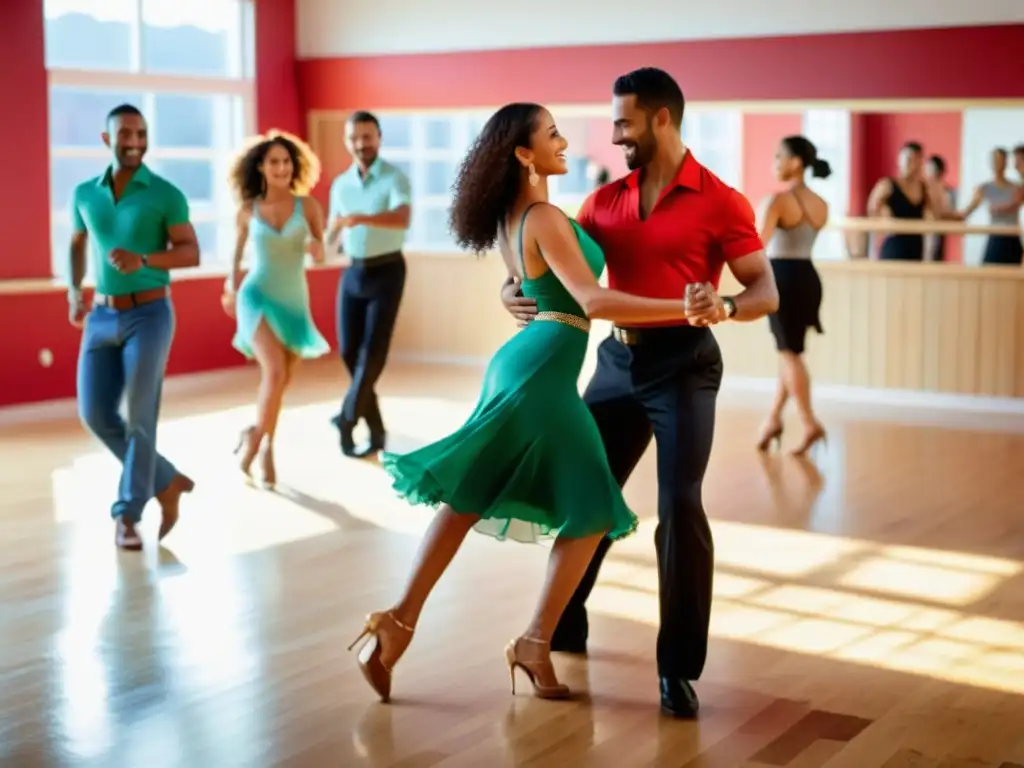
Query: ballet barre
{"points": [[882, 225]]}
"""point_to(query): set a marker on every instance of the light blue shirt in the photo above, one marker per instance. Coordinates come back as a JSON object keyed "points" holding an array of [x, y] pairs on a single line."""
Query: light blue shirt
{"points": [[384, 188]]}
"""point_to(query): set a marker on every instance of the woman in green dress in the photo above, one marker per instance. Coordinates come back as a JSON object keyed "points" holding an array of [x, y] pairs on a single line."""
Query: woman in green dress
{"points": [[528, 463], [271, 178]]}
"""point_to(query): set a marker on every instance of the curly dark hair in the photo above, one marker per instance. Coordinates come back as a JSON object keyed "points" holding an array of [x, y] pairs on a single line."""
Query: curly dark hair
{"points": [[488, 179], [245, 177]]}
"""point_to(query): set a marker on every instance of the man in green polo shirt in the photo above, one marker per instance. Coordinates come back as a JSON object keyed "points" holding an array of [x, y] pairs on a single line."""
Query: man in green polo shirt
{"points": [[139, 227], [370, 208]]}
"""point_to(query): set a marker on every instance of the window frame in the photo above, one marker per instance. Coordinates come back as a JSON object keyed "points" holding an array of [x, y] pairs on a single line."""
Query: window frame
{"points": [[464, 127], [238, 90]]}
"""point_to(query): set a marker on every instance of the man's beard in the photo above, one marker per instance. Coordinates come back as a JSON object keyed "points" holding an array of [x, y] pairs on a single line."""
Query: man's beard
{"points": [[643, 152]]}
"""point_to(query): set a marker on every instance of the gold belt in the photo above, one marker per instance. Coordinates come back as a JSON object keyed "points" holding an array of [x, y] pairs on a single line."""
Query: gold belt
{"points": [[566, 319]]}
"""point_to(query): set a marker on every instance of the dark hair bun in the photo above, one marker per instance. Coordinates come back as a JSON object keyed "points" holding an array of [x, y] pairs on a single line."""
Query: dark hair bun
{"points": [[820, 169]]}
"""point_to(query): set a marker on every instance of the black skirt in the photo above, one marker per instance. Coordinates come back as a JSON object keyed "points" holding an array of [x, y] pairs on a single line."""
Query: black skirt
{"points": [[902, 248], [799, 303], [1003, 249]]}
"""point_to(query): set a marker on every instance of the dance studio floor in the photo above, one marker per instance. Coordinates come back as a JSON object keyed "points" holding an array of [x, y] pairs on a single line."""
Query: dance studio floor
{"points": [[869, 605]]}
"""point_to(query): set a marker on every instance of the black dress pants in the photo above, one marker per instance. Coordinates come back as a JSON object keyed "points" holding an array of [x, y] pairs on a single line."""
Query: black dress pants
{"points": [[665, 384], [369, 295]]}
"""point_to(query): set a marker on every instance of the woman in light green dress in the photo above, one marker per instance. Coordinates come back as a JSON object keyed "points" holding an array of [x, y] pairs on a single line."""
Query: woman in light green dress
{"points": [[271, 305], [529, 462]]}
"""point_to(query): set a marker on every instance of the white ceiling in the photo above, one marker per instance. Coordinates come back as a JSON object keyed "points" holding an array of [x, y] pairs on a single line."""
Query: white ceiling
{"points": [[340, 28]]}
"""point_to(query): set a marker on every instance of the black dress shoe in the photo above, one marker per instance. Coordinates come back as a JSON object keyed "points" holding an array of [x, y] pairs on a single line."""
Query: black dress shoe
{"points": [[348, 445], [372, 448], [678, 698]]}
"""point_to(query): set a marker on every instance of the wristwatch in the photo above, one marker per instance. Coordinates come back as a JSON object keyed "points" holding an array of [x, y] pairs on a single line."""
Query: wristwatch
{"points": [[730, 307], [145, 259]]}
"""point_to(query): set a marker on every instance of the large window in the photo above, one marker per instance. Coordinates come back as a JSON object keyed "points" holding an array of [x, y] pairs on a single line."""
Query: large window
{"points": [[829, 130], [187, 64], [429, 149], [715, 136]]}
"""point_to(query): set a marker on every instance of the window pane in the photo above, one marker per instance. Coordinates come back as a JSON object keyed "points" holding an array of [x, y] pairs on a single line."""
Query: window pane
{"points": [[404, 166], [192, 37], [66, 173], [86, 34], [436, 232], [184, 121], [195, 178], [207, 232], [249, 40], [575, 182], [60, 239], [439, 177], [395, 131], [78, 116], [476, 125], [439, 133]]}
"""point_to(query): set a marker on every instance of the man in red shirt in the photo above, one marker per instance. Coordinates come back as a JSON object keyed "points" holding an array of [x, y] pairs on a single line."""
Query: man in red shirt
{"points": [[666, 229]]}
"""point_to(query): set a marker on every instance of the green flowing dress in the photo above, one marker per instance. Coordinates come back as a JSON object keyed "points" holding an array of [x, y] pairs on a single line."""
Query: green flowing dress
{"points": [[529, 459]]}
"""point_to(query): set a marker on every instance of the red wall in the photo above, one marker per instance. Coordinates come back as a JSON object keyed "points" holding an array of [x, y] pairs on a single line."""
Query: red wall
{"points": [[32, 322], [24, 134], [933, 63], [761, 135]]}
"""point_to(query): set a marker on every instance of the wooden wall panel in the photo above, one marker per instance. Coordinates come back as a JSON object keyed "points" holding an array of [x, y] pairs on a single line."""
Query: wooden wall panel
{"points": [[920, 327]]}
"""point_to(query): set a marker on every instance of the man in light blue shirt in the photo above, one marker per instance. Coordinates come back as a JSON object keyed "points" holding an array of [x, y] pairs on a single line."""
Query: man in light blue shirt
{"points": [[370, 209]]}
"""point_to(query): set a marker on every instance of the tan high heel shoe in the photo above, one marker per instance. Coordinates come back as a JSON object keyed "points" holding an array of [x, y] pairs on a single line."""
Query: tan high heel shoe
{"points": [[267, 468], [540, 672], [247, 438], [768, 436], [814, 436], [385, 634]]}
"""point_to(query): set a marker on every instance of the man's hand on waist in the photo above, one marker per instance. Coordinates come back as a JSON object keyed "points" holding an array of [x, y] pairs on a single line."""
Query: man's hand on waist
{"points": [[523, 309]]}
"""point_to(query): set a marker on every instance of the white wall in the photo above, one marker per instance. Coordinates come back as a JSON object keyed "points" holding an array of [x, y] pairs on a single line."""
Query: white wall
{"points": [[983, 130], [335, 28]]}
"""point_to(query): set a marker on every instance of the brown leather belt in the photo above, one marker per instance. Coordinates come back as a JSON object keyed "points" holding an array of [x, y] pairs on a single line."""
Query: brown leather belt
{"points": [[378, 261], [670, 334], [129, 300], [628, 336]]}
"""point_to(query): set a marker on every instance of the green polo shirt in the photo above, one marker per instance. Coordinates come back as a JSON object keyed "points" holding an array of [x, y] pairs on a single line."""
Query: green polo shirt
{"points": [[384, 188], [138, 222]]}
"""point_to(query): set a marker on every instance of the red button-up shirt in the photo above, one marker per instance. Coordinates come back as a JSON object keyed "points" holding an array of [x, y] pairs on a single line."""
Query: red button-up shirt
{"points": [[698, 223]]}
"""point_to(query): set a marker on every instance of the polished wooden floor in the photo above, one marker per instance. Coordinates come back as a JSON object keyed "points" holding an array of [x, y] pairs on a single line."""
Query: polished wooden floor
{"points": [[869, 604]]}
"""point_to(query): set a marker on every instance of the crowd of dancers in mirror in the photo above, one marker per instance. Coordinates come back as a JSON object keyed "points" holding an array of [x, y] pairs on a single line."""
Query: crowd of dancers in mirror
{"points": [[534, 460]]}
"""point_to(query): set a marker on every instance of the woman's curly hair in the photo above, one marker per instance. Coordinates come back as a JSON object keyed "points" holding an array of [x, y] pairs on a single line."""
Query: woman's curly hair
{"points": [[245, 177], [488, 179]]}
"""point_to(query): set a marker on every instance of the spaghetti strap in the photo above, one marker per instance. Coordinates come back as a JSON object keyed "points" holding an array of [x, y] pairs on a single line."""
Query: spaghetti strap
{"points": [[804, 217], [522, 227]]}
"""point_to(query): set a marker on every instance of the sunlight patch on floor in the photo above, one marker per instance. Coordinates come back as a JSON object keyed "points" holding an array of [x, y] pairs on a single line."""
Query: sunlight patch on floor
{"points": [[895, 628]]}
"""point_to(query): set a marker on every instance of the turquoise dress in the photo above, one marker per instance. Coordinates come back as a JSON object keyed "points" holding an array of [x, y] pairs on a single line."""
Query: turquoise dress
{"points": [[529, 459], [275, 288]]}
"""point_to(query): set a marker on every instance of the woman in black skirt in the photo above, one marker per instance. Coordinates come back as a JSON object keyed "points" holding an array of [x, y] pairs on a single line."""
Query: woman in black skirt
{"points": [[790, 223]]}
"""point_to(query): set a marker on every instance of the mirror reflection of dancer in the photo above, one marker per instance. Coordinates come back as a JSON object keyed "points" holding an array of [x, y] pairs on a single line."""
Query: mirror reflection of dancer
{"points": [[139, 225], [1004, 199], [528, 463], [790, 223], [271, 178], [905, 196]]}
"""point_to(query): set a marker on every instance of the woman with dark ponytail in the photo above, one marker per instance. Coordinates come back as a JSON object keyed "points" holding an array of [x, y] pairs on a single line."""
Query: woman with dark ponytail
{"points": [[790, 223]]}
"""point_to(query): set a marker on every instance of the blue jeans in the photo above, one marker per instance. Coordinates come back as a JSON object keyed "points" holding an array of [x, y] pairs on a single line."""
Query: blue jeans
{"points": [[123, 355]]}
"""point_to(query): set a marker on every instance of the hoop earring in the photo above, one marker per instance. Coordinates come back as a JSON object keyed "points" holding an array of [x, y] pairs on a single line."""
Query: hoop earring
{"points": [[534, 178]]}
